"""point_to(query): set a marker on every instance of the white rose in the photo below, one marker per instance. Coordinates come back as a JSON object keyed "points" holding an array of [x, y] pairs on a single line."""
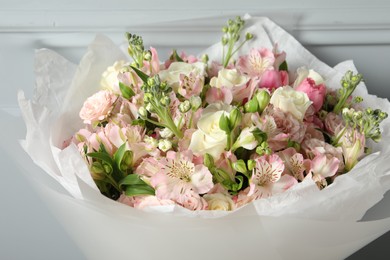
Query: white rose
{"points": [[210, 138], [228, 78], [109, 78], [172, 74], [219, 201], [290, 101], [303, 73]]}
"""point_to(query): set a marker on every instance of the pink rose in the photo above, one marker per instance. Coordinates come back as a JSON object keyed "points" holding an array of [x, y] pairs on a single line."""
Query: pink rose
{"points": [[316, 93], [272, 79], [98, 107]]}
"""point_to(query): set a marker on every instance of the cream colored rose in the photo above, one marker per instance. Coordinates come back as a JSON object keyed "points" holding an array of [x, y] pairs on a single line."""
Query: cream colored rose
{"points": [[109, 78], [210, 138], [304, 73], [219, 201], [290, 101], [228, 78], [172, 74]]}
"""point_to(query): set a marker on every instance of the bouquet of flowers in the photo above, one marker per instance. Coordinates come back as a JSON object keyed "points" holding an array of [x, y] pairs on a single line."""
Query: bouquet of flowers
{"points": [[249, 128]]}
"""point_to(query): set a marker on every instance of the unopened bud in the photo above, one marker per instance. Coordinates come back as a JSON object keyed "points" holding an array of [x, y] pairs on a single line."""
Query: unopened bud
{"points": [[240, 166], [148, 55], [263, 98], [196, 102], [165, 101], [164, 145], [248, 36], [251, 165], [142, 112], [251, 106], [185, 106]]}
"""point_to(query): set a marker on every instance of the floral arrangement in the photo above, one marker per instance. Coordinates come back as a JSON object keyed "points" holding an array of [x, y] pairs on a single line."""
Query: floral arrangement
{"points": [[219, 134]]}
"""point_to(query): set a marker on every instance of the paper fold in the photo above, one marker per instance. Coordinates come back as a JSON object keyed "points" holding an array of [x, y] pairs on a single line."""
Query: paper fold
{"points": [[278, 225]]}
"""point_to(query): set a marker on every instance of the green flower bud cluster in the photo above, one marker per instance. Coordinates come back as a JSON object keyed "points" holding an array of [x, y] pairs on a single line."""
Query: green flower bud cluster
{"points": [[349, 82], [157, 100], [232, 34], [258, 103], [137, 50], [366, 121]]}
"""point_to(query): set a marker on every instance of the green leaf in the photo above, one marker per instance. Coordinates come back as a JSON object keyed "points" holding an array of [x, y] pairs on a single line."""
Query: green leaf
{"points": [[127, 92], [208, 161], [140, 74], [136, 186], [137, 190], [176, 56], [283, 66], [101, 156]]}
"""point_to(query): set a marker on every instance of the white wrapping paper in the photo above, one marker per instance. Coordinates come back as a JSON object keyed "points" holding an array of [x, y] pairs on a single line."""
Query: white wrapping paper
{"points": [[276, 228]]}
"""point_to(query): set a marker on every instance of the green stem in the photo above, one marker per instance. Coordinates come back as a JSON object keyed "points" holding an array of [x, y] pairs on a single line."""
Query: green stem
{"points": [[239, 47], [228, 54], [113, 182]]}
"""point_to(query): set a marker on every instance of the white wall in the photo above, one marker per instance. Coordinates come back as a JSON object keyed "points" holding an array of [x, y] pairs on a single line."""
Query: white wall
{"points": [[334, 31]]}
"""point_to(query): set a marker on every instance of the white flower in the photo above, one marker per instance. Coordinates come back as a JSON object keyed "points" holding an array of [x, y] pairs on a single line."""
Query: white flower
{"points": [[172, 74], [109, 78], [228, 78], [290, 101], [210, 138], [219, 201], [246, 139], [304, 73]]}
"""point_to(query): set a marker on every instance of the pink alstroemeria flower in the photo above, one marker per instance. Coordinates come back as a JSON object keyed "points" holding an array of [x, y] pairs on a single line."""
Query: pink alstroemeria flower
{"points": [[295, 164], [267, 177], [179, 177], [323, 167], [257, 62], [190, 85]]}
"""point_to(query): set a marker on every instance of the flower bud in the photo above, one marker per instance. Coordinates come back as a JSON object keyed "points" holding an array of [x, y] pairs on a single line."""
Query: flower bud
{"points": [[205, 58], [151, 81], [97, 171], [150, 108], [142, 112], [240, 166], [148, 97], [166, 133], [248, 36], [251, 164], [148, 55], [263, 98], [165, 101], [164, 145], [208, 161], [196, 102], [151, 141], [127, 160], [224, 123], [185, 106], [251, 106], [234, 118]]}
